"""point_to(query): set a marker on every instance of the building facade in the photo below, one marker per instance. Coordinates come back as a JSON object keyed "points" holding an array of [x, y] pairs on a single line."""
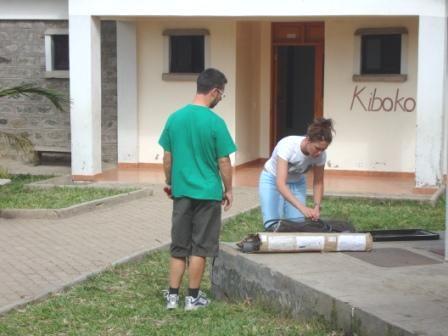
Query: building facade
{"points": [[379, 70]]}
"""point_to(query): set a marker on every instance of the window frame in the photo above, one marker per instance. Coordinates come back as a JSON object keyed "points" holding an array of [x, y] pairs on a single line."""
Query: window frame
{"points": [[358, 76], [183, 76], [50, 72]]}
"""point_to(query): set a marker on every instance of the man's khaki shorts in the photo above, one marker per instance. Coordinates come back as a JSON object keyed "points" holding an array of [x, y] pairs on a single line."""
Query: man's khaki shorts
{"points": [[195, 227]]}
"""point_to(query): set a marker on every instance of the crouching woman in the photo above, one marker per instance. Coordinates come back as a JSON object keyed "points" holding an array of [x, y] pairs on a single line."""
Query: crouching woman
{"points": [[282, 186]]}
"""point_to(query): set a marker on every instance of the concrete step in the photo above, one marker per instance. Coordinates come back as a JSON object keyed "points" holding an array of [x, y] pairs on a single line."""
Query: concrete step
{"points": [[404, 295]]}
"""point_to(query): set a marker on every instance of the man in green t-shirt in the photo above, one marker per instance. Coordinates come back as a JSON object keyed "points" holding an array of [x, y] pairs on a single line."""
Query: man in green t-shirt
{"points": [[196, 162]]}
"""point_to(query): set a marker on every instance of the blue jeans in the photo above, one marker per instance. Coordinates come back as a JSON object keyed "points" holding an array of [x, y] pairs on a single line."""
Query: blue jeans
{"points": [[273, 205]]}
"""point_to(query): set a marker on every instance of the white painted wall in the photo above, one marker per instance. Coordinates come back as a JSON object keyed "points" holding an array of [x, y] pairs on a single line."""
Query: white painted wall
{"points": [[248, 91], [365, 140], [158, 98], [33, 10], [377, 141], [235, 8]]}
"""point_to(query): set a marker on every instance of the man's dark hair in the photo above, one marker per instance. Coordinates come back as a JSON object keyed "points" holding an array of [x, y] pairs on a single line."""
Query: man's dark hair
{"points": [[210, 79]]}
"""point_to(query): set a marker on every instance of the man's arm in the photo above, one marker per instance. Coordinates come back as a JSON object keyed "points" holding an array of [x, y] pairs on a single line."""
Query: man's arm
{"points": [[225, 168], [167, 167]]}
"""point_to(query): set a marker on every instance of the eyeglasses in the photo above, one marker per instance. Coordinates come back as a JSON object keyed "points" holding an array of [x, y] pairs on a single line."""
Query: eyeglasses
{"points": [[221, 92]]}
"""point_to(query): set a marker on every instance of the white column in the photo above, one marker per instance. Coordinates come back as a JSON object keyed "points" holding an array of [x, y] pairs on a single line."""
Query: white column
{"points": [[446, 132], [127, 113], [432, 58], [85, 93]]}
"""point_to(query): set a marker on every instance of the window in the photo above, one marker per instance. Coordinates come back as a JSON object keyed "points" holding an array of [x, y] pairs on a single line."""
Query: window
{"points": [[187, 54], [381, 54], [60, 52], [56, 53], [186, 51]]}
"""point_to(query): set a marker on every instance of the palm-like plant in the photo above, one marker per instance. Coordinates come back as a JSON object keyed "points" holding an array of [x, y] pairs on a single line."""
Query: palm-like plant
{"points": [[28, 89], [59, 100]]}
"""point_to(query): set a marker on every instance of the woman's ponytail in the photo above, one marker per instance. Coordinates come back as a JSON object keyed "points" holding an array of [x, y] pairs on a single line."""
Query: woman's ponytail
{"points": [[321, 130]]}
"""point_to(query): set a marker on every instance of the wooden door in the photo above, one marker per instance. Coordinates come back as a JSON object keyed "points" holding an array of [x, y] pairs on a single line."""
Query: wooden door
{"points": [[297, 85]]}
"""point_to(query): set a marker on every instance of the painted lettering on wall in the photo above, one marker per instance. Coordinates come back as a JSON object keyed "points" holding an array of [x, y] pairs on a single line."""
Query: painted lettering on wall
{"points": [[373, 102]]}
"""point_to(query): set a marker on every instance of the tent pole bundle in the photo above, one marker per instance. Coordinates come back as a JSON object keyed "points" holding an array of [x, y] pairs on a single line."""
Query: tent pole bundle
{"points": [[267, 242]]}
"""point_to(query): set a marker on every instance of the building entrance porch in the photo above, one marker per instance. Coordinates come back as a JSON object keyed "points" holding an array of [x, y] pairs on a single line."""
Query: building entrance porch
{"points": [[337, 183]]}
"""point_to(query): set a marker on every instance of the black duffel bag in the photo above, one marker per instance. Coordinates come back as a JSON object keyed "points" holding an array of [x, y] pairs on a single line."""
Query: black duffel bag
{"points": [[308, 225]]}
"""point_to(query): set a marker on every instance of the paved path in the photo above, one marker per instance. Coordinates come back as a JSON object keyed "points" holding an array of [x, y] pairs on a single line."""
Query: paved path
{"points": [[40, 256]]}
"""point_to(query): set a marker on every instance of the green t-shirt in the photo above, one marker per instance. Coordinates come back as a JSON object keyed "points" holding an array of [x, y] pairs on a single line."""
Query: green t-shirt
{"points": [[196, 137]]}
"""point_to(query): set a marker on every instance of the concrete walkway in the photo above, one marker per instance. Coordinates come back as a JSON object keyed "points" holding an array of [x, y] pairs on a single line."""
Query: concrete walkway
{"points": [[42, 256], [399, 288]]}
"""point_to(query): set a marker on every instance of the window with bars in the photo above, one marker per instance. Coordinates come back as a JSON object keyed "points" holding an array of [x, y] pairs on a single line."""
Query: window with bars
{"points": [[381, 54], [57, 53], [186, 53]]}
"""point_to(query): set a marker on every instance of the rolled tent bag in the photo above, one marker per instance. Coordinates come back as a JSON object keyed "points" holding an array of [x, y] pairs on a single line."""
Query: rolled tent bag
{"points": [[308, 225], [267, 242]]}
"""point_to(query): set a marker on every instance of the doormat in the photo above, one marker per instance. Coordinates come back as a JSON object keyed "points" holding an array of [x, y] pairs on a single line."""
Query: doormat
{"points": [[392, 257]]}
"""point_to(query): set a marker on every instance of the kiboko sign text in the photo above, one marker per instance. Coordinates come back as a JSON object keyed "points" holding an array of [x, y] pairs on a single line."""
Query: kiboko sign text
{"points": [[372, 102]]}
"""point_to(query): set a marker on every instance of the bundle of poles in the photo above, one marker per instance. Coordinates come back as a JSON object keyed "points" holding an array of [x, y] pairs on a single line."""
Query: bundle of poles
{"points": [[268, 242]]}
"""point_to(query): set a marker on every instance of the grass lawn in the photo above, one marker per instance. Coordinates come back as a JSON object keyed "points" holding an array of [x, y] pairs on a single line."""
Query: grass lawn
{"points": [[16, 196], [363, 214], [128, 301]]}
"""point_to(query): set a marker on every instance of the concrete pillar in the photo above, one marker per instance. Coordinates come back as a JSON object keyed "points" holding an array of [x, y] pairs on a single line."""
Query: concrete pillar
{"points": [[432, 58], [446, 133], [85, 93], [127, 113]]}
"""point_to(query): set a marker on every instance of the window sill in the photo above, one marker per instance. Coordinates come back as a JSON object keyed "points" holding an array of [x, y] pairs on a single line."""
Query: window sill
{"points": [[180, 77], [380, 78], [57, 74]]}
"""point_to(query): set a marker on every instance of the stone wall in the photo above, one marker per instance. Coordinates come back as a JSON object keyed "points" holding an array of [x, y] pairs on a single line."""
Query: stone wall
{"points": [[109, 90], [22, 59]]}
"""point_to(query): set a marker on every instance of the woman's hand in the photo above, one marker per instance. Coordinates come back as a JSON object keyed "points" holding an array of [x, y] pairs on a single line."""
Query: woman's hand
{"points": [[311, 213], [316, 212]]}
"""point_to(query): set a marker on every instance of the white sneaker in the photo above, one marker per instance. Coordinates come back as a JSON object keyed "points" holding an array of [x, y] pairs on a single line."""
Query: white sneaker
{"points": [[172, 300], [200, 301]]}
